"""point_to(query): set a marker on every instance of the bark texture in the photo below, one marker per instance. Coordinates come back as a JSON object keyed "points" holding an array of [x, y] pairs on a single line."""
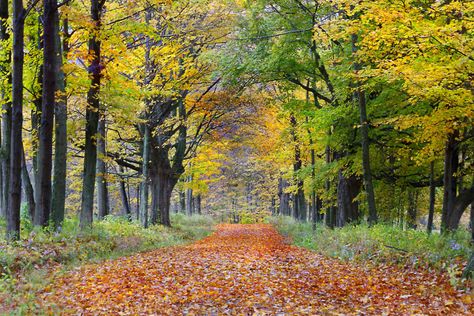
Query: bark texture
{"points": [[92, 119]]}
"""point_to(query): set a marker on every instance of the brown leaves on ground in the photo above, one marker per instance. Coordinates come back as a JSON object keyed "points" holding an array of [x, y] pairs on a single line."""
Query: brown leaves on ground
{"points": [[248, 269]]}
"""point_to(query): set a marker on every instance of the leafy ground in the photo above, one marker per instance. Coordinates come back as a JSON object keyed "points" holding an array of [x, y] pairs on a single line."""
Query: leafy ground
{"points": [[385, 244], [248, 269], [28, 265]]}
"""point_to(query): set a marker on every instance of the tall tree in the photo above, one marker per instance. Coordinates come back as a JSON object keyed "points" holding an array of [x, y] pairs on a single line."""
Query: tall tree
{"points": [[6, 107], [364, 131], [102, 189], [13, 210], [45, 145], [60, 149], [92, 116]]}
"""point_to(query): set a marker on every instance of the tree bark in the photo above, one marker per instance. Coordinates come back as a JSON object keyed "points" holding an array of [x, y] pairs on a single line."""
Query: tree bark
{"points": [[27, 187], [284, 197], [189, 199], [13, 214], [102, 189], [182, 201], [92, 119], [143, 213], [60, 150], [347, 190], [197, 204], [450, 180], [412, 208], [45, 145], [472, 223], [330, 216], [432, 199], [123, 194], [7, 112], [155, 207]]}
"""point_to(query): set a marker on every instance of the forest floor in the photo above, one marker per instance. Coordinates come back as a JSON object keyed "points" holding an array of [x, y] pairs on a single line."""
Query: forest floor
{"points": [[248, 269]]}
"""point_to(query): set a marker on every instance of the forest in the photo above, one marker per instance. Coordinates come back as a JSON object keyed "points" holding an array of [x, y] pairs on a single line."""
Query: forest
{"points": [[201, 156]]}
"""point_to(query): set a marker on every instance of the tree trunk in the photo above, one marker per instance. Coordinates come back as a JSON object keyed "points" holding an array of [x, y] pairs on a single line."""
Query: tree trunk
{"points": [[347, 190], [123, 194], [462, 201], [449, 180], [412, 208], [364, 131], [143, 213], [45, 146], [182, 201], [13, 214], [472, 223], [284, 197], [155, 207], [102, 190], [60, 150], [330, 216], [92, 119], [432, 199], [7, 114], [189, 201], [299, 201], [27, 186], [164, 197], [197, 204]]}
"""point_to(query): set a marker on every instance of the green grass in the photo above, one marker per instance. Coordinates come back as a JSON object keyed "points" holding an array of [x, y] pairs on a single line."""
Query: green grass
{"points": [[27, 266], [382, 244]]}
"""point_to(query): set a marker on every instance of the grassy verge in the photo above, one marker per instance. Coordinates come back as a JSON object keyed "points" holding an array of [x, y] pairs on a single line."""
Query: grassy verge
{"points": [[28, 265], [382, 244]]}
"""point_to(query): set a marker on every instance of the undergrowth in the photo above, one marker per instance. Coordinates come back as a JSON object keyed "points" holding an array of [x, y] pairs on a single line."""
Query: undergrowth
{"points": [[27, 265], [382, 244]]}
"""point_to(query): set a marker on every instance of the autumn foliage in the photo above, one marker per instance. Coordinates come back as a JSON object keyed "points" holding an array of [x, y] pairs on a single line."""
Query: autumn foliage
{"points": [[248, 269]]}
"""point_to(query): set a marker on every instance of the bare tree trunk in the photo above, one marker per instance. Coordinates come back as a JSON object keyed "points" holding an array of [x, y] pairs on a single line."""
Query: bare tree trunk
{"points": [[412, 208], [155, 207], [7, 112], [60, 150], [123, 194], [92, 119], [284, 197], [432, 199], [197, 204], [45, 147], [330, 216], [102, 189], [13, 214], [182, 201], [449, 180], [189, 199], [143, 213], [27, 186], [472, 223], [164, 197]]}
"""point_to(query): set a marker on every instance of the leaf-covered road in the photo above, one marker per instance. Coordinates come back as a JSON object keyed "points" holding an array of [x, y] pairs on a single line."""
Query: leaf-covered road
{"points": [[248, 269]]}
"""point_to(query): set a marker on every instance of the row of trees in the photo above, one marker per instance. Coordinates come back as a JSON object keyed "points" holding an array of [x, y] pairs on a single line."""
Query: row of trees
{"points": [[104, 91], [324, 110], [376, 100]]}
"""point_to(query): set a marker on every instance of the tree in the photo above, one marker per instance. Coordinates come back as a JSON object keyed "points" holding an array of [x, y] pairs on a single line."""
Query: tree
{"points": [[6, 106], [92, 116], [45, 145]]}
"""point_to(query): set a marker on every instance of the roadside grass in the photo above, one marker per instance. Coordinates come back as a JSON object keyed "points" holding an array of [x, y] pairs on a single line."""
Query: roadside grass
{"points": [[28, 265], [384, 244]]}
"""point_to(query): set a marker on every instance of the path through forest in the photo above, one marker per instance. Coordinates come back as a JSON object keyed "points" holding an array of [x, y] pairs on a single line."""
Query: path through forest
{"points": [[248, 269]]}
